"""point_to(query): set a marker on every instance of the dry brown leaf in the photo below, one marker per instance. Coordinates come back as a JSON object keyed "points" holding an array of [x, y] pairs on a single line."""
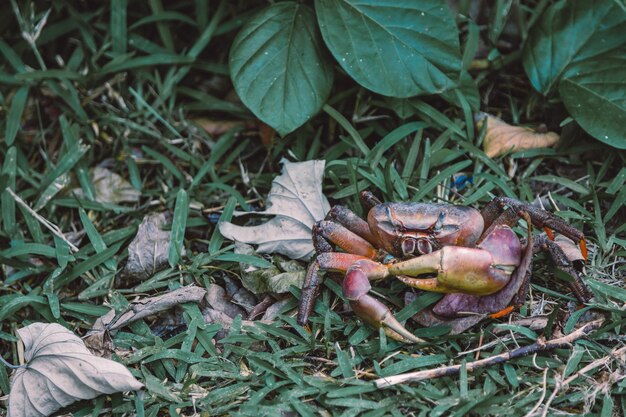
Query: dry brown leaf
{"points": [[148, 252], [502, 137], [296, 201], [59, 371], [110, 187], [217, 128], [98, 340]]}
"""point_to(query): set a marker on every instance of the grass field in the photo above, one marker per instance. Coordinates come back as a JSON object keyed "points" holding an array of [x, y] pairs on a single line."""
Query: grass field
{"points": [[141, 91]]}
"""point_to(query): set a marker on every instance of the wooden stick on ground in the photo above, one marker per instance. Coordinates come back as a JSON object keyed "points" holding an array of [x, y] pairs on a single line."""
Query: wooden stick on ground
{"points": [[538, 346]]}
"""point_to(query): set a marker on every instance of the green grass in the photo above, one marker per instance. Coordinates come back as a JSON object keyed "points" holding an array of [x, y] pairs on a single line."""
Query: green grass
{"points": [[120, 85]]}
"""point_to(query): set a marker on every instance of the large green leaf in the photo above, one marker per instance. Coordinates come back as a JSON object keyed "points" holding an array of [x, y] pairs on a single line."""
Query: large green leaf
{"points": [[279, 67], [580, 46], [398, 48], [596, 97]]}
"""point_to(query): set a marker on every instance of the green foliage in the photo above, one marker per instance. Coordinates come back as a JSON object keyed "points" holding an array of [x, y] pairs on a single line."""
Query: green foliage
{"points": [[397, 49], [579, 47], [282, 73], [279, 66]]}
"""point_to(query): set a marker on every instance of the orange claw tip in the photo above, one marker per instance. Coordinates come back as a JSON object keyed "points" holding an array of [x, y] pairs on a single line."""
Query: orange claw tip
{"points": [[502, 313], [583, 248], [549, 232]]}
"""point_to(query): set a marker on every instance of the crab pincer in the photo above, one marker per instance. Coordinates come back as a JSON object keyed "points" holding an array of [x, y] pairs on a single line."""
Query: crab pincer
{"points": [[356, 287]]}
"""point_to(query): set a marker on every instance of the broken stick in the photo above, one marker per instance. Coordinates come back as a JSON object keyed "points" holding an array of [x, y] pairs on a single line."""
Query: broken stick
{"points": [[538, 346]]}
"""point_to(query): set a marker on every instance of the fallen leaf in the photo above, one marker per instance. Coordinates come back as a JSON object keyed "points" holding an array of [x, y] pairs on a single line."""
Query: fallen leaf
{"points": [[110, 187], [240, 295], [297, 202], [274, 310], [149, 250], [146, 307], [218, 300], [571, 249], [217, 128], [502, 137], [98, 340], [59, 371], [276, 279]]}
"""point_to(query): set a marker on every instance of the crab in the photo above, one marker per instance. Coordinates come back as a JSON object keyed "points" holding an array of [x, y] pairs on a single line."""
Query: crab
{"points": [[472, 256]]}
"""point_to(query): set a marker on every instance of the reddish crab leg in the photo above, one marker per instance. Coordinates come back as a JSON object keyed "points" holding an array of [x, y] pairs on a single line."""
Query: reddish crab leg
{"points": [[352, 222], [356, 287], [344, 238], [329, 261], [539, 218]]}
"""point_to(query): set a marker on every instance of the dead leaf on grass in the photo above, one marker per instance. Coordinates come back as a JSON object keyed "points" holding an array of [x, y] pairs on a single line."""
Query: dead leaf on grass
{"points": [[571, 249], [217, 128], [502, 137], [98, 340], [59, 371], [217, 298], [297, 202], [110, 187], [149, 250]]}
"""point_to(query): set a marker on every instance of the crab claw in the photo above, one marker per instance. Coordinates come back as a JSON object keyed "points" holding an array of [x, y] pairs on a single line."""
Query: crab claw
{"points": [[356, 287]]}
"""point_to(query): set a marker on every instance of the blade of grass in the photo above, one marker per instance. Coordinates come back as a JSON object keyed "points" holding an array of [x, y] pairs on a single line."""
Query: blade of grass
{"points": [[14, 118], [179, 222]]}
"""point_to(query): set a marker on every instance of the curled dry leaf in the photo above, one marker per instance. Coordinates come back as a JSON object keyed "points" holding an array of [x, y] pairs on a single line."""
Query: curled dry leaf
{"points": [[296, 201], [59, 371], [502, 137], [149, 250], [98, 340], [571, 249], [219, 309], [220, 301], [217, 128]]}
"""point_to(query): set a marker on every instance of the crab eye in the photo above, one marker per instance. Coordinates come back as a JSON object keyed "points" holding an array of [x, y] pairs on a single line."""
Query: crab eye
{"points": [[408, 246], [424, 246]]}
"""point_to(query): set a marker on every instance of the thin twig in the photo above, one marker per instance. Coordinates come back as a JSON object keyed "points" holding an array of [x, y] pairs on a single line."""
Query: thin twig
{"points": [[616, 353], [538, 346], [49, 225]]}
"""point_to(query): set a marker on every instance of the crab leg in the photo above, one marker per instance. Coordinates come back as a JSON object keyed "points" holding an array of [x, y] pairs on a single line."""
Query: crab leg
{"points": [[344, 238], [331, 261], [368, 200], [325, 234], [564, 264], [540, 218], [352, 222], [356, 287]]}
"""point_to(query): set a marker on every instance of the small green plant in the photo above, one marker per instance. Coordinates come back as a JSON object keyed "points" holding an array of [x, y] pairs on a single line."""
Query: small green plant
{"points": [[283, 73]]}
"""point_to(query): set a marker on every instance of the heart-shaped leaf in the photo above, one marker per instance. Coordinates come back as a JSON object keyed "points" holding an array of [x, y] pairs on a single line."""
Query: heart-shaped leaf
{"points": [[580, 46], [59, 371], [395, 48], [279, 66]]}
